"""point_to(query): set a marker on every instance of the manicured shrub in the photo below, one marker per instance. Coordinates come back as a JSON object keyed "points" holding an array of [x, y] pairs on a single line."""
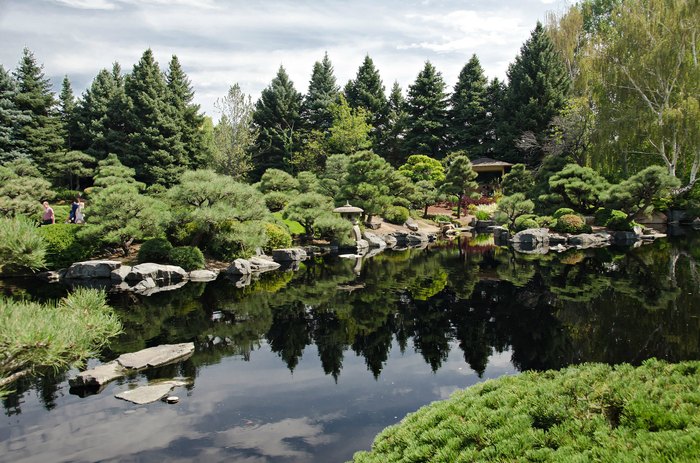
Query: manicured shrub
{"points": [[396, 214], [21, 245], [333, 228], [563, 211], [546, 221], [403, 202], [571, 223], [601, 216], [64, 194], [591, 412], [155, 250], [277, 237], [276, 200], [618, 221], [188, 257], [235, 239], [524, 222], [63, 245]]}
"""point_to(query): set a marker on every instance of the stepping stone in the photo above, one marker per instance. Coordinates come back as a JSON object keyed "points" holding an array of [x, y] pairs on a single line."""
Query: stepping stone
{"points": [[156, 356]]}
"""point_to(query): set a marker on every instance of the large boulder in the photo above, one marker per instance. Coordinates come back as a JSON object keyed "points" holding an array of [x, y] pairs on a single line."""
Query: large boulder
{"points": [[289, 255], [260, 264], [590, 240], [92, 269], [374, 240], [390, 240], [414, 238], [203, 275], [119, 274], [534, 236], [240, 267], [160, 274]]}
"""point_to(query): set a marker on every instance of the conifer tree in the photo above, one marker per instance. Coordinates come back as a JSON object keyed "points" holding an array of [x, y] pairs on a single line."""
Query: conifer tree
{"points": [[426, 106], [10, 119], [538, 85], [393, 142], [495, 94], [41, 133], [323, 92], [467, 116], [460, 178], [66, 111], [367, 91], [278, 120], [189, 120], [155, 148]]}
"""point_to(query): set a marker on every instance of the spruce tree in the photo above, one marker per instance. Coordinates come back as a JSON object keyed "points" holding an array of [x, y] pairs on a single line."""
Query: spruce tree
{"points": [[538, 85], [188, 118], [277, 118], [155, 148], [468, 121], [392, 146], [367, 91], [116, 140], [66, 111], [426, 107], [11, 119], [41, 132], [323, 92], [495, 95]]}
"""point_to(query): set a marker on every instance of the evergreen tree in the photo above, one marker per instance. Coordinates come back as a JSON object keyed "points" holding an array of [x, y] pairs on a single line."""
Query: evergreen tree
{"points": [[367, 91], [538, 85], [323, 92], [66, 111], [10, 119], [41, 133], [426, 106], [277, 118], [460, 178], [117, 112], [495, 95], [189, 119], [393, 143], [110, 171], [155, 148], [468, 121]]}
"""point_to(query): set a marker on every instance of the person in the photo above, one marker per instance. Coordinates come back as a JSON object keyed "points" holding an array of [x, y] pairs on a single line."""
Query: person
{"points": [[79, 217], [75, 205], [48, 218]]}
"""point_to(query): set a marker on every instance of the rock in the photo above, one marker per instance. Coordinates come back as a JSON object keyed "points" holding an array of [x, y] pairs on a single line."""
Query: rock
{"points": [[92, 269], [240, 267], [500, 234], [530, 247], [417, 238], [362, 245], [558, 248], [161, 274], [98, 376], [411, 225], [390, 240], [203, 275], [263, 264], [374, 240], [241, 281], [373, 225], [555, 238], [696, 222], [288, 255], [156, 356], [52, 276], [146, 394], [532, 236], [446, 228], [119, 274], [589, 240], [143, 285], [483, 224], [624, 238], [655, 217], [172, 399], [158, 289]]}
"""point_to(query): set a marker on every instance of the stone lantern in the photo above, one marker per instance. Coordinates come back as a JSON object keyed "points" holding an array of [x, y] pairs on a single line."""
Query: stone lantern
{"points": [[349, 212]]}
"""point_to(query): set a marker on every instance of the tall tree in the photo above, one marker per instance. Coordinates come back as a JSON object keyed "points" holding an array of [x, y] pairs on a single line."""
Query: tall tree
{"points": [[460, 178], [66, 111], [468, 122], [392, 146], [189, 120], [538, 85], [234, 135], [11, 119], [367, 91], [155, 148], [495, 96], [323, 92], [277, 118], [426, 106], [41, 133], [350, 130]]}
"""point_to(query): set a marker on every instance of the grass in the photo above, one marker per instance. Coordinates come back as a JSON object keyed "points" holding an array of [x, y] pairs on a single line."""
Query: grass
{"points": [[587, 413], [57, 335], [295, 228]]}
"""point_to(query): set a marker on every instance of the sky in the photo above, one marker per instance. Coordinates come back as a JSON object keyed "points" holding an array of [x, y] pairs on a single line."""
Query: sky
{"points": [[221, 42]]}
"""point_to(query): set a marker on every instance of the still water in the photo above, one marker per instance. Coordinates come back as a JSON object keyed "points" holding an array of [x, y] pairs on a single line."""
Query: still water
{"points": [[308, 365]]}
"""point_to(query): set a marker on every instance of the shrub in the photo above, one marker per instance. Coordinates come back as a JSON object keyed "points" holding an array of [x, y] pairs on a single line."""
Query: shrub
{"points": [[440, 218], [511, 207], [403, 202], [591, 412], [601, 216], [156, 250], [63, 245], [188, 257], [333, 228], [482, 215], [64, 194], [235, 239], [546, 221], [618, 221], [571, 223], [21, 245], [563, 211], [277, 237], [525, 221], [396, 214], [276, 200]]}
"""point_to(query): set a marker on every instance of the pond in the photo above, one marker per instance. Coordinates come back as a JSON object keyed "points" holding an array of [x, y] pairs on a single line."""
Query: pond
{"points": [[308, 365]]}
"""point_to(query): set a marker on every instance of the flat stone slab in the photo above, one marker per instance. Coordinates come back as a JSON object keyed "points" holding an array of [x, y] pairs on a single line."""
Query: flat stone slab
{"points": [[98, 376], [92, 269], [156, 356], [203, 275], [147, 394]]}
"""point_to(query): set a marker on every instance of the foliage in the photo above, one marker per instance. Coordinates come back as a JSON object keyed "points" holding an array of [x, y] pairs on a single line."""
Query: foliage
{"points": [[370, 183], [525, 222], [277, 200], [350, 130], [467, 116], [54, 335], [571, 223], [155, 250], [323, 93], [295, 228], [21, 245], [518, 180], [511, 207], [545, 221], [581, 188], [110, 171], [21, 195], [601, 216], [188, 257], [419, 167], [563, 211], [234, 239], [619, 221], [277, 180], [396, 214], [333, 178], [234, 134], [68, 167], [639, 192], [306, 208], [426, 107], [460, 178], [333, 228], [64, 245], [11, 119], [367, 91], [482, 215], [277, 237], [593, 411]]}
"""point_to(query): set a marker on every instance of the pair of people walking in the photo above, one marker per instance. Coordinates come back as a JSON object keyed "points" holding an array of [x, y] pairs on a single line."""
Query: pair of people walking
{"points": [[75, 215]]}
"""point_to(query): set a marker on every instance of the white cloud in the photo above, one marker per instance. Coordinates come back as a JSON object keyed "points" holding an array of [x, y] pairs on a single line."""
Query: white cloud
{"points": [[88, 4]]}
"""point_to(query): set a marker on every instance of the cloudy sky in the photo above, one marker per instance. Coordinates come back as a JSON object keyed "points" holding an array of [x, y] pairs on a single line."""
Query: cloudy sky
{"points": [[221, 42]]}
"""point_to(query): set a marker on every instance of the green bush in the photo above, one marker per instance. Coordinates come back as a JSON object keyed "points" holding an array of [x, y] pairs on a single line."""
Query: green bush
{"points": [[63, 245], [563, 211], [482, 215], [276, 200], [156, 250], [396, 214], [235, 239], [590, 412], [618, 221], [546, 221], [21, 245], [440, 218], [277, 237], [525, 221], [571, 223], [601, 216], [334, 229], [188, 257], [64, 194], [402, 202]]}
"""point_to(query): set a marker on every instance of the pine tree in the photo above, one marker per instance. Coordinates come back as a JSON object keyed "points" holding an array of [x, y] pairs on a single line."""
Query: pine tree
{"points": [[426, 106], [495, 94], [155, 148], [116, 140], [538, 85], [367, 91], [277, 118], [392, 146], [460, 178], [323, 92], [41, 133], [468, 117], [189, 119], [66, 111], [10, 120]]}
